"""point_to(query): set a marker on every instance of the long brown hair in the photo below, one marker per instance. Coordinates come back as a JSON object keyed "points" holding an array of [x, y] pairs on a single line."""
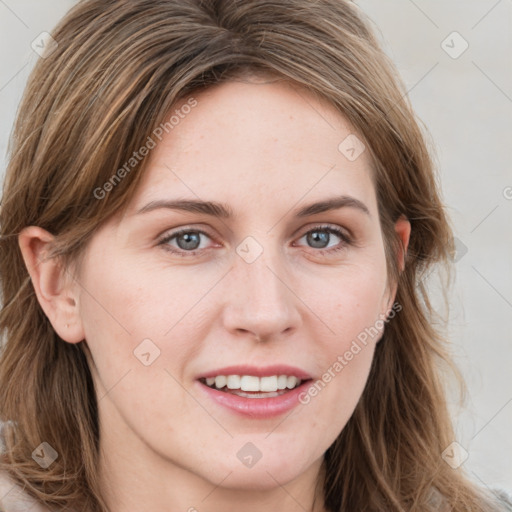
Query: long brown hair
{"points": [[114, 74]]}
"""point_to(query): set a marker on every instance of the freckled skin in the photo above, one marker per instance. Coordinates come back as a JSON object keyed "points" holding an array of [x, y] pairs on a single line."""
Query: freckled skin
{"points": [[239, 146]]}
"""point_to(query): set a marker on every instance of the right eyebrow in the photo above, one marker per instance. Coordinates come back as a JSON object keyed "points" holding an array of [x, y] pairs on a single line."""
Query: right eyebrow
{"points": [[207, 207]]}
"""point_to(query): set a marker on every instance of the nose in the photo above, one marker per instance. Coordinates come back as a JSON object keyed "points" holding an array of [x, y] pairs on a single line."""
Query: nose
{"points": [[260, 300]]}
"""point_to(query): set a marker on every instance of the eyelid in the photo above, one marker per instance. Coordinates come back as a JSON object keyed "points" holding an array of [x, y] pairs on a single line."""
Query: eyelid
{"points": [[347, 240], [344, 234], [326, 226], [170, 234]]}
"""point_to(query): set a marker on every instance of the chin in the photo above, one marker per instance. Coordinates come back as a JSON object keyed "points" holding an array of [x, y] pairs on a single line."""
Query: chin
{"points": [[258, 478], [264, 474]]}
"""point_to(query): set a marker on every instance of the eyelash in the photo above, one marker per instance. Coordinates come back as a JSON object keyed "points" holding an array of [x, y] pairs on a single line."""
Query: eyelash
{"points": [[346, 240]]}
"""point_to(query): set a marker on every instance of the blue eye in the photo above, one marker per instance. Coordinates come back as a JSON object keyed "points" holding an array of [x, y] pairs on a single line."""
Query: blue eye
{"points": [[188, 242], [320, 237]]}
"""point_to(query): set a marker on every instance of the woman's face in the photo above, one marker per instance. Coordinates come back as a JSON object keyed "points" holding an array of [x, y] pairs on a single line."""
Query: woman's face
{"points": [[256, 292]]}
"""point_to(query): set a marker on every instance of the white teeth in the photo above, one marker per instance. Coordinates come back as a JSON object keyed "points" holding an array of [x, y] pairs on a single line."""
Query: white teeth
{"points": [[220, 381], [291, 382], [269, 384], [233, 382], [249, 383], [281, 381]]}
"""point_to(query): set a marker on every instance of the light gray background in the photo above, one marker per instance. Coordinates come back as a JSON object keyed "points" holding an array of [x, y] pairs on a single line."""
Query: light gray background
{"points": [[466, 104]]}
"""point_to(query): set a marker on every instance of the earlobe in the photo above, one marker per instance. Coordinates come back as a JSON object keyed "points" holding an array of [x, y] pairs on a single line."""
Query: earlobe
{"points": [[403, 230], [53, 284]]}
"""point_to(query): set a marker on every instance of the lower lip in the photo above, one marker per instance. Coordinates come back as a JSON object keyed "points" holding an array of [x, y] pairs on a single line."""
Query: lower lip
{"points": [[257, 407]]}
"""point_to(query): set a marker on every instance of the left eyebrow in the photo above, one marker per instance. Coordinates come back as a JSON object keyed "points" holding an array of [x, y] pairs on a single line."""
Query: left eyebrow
{"points": [[215, 209], [333, 203]]}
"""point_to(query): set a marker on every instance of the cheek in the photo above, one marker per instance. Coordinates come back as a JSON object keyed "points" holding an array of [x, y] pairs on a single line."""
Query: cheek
{"points": [[132, 299], [138, 332], [350, 300], [143, 320], [112, 304], [352, 308]]}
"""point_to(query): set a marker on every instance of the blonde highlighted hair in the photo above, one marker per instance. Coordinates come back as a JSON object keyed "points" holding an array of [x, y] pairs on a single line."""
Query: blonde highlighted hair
{"points": [[119, 68]]}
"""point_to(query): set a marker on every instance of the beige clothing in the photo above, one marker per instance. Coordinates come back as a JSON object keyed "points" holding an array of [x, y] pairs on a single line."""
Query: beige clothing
{"points": [[14, 499]]}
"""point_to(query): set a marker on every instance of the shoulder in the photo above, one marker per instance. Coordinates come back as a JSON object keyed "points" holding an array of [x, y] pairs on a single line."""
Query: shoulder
{"points": [[14, 499], [503, 499]]}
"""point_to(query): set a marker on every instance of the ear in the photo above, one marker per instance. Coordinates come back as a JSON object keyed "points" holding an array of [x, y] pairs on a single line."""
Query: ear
{"points": [[55, 287], [403, 231]]}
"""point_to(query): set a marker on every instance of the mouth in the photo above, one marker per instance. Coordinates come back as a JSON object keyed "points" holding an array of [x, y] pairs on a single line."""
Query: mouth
{"points": [[252, 386], [255, 392]]}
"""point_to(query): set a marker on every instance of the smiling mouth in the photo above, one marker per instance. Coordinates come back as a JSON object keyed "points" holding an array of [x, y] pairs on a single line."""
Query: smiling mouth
{"points": [[250, 386]]}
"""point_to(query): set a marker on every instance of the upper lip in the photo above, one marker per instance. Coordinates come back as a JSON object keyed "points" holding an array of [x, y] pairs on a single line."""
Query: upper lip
{"points": [[258, 371]]}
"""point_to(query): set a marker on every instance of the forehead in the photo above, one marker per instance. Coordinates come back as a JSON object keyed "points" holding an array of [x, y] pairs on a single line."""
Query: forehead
{"points": [[245, 141]]}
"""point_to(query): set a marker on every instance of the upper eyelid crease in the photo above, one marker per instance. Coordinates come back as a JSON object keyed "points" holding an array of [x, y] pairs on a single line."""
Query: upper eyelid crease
{"points": [[221, 210]]}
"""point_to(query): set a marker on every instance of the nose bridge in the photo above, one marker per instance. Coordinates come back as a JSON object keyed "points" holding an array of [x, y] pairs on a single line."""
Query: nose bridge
{"points": [[262, 303]]}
